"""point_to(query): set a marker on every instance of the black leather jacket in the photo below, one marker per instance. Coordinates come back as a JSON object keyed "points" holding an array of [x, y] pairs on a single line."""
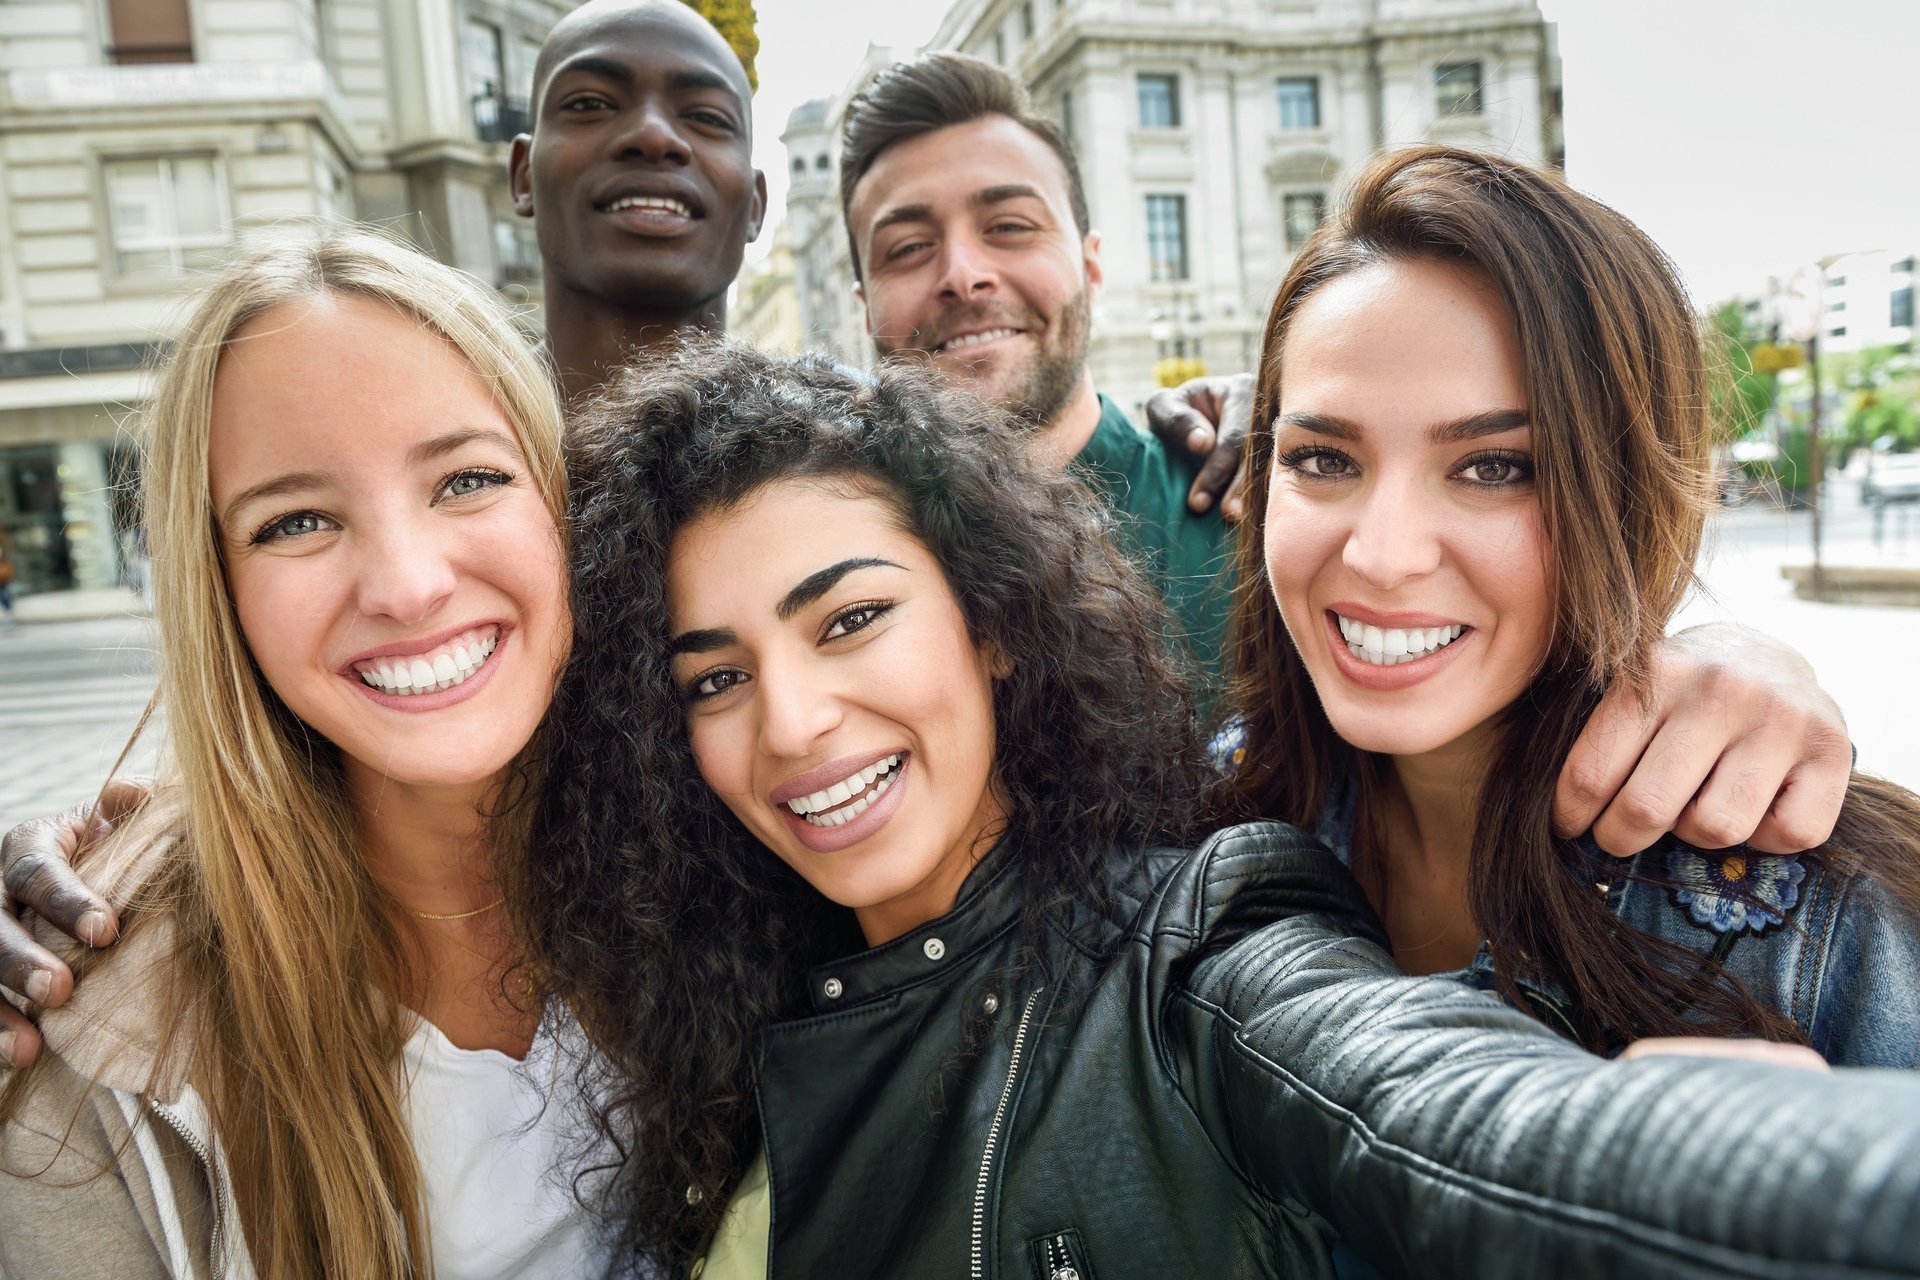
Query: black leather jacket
{"points": [[1236, 1076]]}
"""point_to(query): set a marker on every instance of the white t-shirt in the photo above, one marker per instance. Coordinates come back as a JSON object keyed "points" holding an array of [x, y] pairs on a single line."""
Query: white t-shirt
{"points": [[498, 1144]]}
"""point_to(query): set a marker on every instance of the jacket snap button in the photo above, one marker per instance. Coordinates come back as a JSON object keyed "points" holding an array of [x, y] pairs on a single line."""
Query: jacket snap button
{"points": [[833, 988], [934, 948], [991, 1004]]}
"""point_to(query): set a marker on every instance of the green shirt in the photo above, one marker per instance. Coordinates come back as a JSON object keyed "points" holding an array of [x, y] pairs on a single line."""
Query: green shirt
{"points": [[1185, 554]]}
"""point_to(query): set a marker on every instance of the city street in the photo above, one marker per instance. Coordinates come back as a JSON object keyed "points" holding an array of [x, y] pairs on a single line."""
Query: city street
{"points": [[71, 691]]}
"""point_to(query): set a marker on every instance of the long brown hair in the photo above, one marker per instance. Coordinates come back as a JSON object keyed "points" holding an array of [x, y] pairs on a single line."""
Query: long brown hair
{"points": [[1617, 387], [282, 1004]]}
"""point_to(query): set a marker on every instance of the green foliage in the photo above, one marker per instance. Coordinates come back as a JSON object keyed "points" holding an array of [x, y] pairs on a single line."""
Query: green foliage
{"points": [[1741, 394], [1882, 396], [735, 20]]}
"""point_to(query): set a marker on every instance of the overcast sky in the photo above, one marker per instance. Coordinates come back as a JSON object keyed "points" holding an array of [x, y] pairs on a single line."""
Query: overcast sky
{"points": [[1747, 136]]}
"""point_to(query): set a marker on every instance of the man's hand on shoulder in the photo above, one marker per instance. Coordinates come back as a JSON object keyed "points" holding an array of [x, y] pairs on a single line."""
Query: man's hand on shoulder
{"points": [[36, 872], [1738, 744], [1207, 418]]}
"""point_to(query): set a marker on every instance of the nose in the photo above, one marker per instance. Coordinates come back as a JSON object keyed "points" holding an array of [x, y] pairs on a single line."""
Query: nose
{"points": [[405, 574], [797, 708], [1395, 537], [652, 134], [966, 270]]}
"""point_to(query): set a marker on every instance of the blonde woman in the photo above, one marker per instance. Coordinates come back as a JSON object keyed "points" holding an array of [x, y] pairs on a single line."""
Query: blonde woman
{"points": [[313, 1054]]}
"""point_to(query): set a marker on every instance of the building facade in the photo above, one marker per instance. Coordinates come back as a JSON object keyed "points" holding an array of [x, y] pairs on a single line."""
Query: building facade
{"points": [[1213, 135], [143, 141]]}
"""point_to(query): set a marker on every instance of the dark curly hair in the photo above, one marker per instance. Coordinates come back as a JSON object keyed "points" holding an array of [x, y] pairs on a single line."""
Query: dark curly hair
{"points": [[672, 933]]}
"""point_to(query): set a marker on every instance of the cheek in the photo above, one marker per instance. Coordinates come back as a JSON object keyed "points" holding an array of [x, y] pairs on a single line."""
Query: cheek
{"points": [[1301, 542]]}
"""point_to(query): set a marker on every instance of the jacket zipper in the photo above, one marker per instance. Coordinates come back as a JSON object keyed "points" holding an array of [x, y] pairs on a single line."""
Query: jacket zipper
{"points": [[1060, 1260], [977, 1268], [217, 1253]]}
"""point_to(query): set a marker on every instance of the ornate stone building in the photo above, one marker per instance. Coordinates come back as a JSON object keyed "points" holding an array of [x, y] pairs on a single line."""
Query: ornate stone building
{"points": [[1212, 135], [142, 141]]}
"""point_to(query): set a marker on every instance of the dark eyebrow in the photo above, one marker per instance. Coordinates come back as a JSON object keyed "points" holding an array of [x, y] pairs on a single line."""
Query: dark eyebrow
{"points": [[703, 641], [1318, 423], [817, 584], [1489, 423], [1003, 193], [441, 445], [980, 199], [1459, 431], [588, 64], [703, 80]]}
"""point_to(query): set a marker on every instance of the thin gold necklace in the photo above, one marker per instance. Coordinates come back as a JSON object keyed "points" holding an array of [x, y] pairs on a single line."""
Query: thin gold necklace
{"points": [[457, 915]]}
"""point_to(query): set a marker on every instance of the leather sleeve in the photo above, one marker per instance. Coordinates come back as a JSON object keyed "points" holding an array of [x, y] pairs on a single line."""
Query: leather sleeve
{"points": [[1444, 1134]]}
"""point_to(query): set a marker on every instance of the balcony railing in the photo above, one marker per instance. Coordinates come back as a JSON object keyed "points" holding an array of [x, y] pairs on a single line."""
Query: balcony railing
{"points": [[500, 119]]}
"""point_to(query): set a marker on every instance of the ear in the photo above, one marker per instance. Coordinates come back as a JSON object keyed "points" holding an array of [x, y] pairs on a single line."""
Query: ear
{"points": [[758, 212], [1090, 263], [519, 181], [866, 312]]}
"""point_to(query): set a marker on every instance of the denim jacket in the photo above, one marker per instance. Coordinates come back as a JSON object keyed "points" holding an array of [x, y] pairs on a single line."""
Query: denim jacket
{"points": [[1838, 954]]}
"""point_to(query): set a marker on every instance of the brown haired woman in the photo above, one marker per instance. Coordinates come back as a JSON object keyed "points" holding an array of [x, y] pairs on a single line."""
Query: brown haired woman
{"points": [[1478, 484]]}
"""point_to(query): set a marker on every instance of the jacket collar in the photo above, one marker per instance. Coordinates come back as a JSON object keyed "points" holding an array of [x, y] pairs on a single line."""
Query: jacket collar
{"points": [[989, 907]]}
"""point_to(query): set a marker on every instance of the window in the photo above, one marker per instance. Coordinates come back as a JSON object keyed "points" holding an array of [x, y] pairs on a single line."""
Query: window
{"points": [[1838, 331], [1900, 307], [1837, 306], [1167, 237], [1834, 282], [799, 164], [1159, 102], [999, 49], [143, 31], [1299, 102], [1066, 116], [165, 214], [1302, 213], [497, 117], [821, 161], [1905, 264], [1026, 20], [1457, 88]]}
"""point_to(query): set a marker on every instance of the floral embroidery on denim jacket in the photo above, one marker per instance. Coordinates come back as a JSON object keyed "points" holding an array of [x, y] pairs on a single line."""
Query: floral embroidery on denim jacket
{"points": [[1731, 891]]}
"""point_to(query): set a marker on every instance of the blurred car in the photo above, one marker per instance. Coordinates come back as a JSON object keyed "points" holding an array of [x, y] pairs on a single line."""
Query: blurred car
{"points": [[1893, 477]]}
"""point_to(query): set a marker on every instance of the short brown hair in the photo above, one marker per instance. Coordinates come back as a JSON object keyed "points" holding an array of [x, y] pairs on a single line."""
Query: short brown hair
{"points": [[937, 91]]}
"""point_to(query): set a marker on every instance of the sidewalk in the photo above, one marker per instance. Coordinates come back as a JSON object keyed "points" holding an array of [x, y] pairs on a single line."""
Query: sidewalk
{"points": [[78, 606]]}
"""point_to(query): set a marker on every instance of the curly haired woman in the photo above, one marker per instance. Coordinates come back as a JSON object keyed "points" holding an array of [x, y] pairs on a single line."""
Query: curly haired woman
{"points": [[864, 862]]}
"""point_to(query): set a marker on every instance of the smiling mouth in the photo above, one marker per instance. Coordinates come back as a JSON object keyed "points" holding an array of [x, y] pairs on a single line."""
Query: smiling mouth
{"points": [[848, 798], [649, 204], [966, 340], [441, 667], [1391, 646]]}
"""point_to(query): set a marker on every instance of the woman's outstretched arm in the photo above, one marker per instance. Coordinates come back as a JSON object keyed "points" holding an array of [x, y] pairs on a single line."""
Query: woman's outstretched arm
{"points": [[1444, 1134]]}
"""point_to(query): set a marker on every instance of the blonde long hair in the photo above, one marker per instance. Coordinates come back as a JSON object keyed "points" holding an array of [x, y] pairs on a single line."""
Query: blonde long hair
{"points": [[284, 1004]]}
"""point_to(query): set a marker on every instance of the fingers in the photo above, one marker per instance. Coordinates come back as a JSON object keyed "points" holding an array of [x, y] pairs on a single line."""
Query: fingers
{"points": [[1796, 1056], [1736, 744], [29, 968], [1602, 759], [1236, 424], [1179, 416], [1233, 504], [38, 873], [19, 1038]]}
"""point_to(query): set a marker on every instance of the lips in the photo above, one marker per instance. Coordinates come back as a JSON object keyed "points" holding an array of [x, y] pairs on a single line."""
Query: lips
{"points": [[976, 338]]}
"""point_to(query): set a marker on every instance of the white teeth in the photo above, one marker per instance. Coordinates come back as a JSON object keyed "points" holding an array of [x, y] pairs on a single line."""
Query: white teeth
{"points": [[661, 204], [975, 339], [443, 668], [810, 806], [1391, 646]]}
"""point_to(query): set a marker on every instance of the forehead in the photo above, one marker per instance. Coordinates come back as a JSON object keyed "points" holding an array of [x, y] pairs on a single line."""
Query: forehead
{"points": [[946, 166], [336, 377], [1418, 341], [743, 558], [647, 40]]}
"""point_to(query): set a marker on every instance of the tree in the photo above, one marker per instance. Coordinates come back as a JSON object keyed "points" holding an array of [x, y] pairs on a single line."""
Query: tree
{"points": [[1742, 394], [734, 19]]}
